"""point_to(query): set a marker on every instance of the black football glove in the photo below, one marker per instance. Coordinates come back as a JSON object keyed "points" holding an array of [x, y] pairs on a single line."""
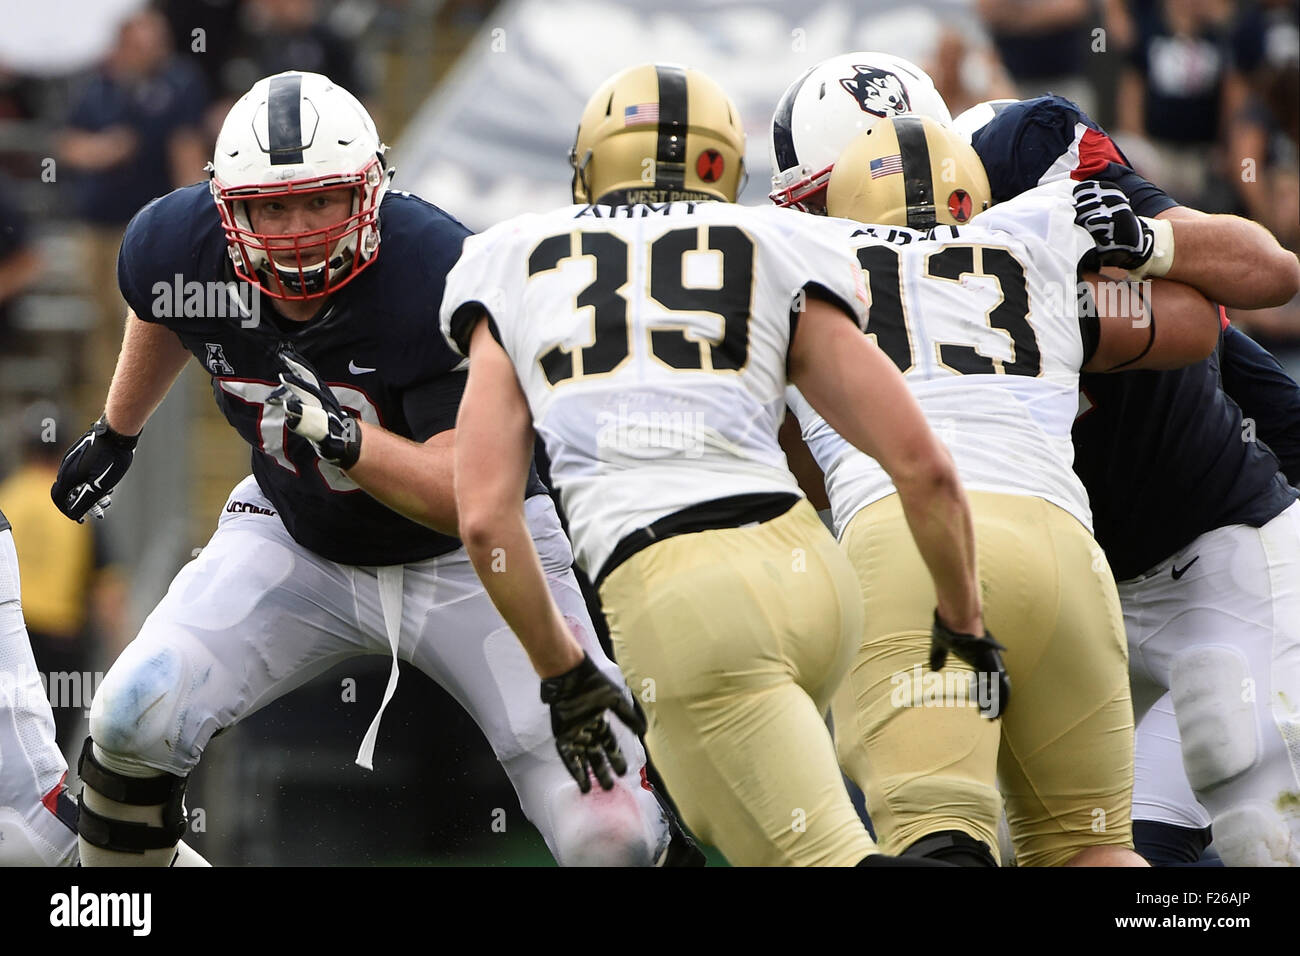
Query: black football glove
{"points": [[90, 470], [1119, 234], [981, 653], [578, 699], [313, 411]]}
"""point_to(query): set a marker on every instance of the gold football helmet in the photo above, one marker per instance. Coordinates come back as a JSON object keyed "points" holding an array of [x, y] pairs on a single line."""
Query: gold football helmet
{"points": [[908, 171], [658, 133]]}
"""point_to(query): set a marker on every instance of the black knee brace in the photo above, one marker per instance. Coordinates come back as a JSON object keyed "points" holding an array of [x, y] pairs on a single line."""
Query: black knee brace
{"points": [[122, 835], [952, 846], [1165, 844]]}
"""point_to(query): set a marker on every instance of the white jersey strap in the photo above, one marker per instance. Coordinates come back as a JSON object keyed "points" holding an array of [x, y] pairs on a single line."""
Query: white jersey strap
{"points": [[391, 585]]}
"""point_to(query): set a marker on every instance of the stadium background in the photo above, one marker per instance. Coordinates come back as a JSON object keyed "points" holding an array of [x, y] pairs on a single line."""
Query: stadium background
{"points": [[479, 101]]}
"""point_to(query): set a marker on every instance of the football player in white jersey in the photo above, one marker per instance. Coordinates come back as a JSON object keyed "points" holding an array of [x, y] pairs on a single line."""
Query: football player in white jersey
{"points": [[650, 345], [38, 820], [990, 326]]}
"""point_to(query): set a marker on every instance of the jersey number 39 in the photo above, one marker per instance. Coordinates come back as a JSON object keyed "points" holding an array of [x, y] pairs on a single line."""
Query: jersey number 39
{"points": [[611, 338]]}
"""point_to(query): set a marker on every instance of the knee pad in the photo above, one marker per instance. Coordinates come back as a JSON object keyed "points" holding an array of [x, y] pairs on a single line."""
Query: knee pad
{"points": [[1255, 834], [1216, 718], [133, 714], [952, 846], [603, 827], [163, 790]]}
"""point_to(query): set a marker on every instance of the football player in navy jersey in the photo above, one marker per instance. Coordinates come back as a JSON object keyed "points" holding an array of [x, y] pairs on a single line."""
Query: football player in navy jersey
{"points": [[1189, 474], [326, 356]]}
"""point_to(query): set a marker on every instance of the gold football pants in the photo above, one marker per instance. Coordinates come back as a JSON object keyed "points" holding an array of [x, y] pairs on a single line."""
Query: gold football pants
{"points": [[915, 741], [734, 640]]}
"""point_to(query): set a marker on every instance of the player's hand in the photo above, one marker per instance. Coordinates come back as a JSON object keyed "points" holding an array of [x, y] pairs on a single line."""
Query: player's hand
{"points": [[1121, 236], [578, 699], [313, 411], [90, 470], [981, 653]]}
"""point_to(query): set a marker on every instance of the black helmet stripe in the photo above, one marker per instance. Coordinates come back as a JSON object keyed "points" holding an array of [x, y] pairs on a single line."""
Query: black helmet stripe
{"points": [[918, 186], [670, 156], [284, 119], [783, 123]]}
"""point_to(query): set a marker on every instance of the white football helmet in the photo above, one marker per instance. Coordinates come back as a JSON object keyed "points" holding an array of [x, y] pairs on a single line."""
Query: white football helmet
{"points": [[977, 117], [820, 113], [296, 133]]}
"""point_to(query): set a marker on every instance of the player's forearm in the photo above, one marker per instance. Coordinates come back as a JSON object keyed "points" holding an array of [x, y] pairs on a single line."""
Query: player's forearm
{"points": [[506, 560], [415, 480], [150, 361], [1231, 260], [1160, 324], [938, 515], [494, 444]]}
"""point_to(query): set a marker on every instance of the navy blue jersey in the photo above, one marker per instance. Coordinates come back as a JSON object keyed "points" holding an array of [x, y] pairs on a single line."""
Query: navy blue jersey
{"points": [[4, 522], [1267, 395], [1164, 455], [1049, 138], [376, 343]]}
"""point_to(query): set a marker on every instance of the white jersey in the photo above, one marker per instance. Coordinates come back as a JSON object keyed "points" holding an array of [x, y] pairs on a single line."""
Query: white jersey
{"points": [[651, 344], [984, 322]]}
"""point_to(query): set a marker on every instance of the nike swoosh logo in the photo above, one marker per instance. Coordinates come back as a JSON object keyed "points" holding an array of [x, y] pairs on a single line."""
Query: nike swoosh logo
{"points": [[1179, 572], [356, 369]]}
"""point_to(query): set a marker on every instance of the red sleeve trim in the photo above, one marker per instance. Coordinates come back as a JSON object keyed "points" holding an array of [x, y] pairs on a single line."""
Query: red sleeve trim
{"points": [[1096, 152]]}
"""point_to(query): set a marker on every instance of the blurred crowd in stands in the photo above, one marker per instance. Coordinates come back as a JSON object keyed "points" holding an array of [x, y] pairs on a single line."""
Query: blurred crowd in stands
{"points": [[1205, 102]]}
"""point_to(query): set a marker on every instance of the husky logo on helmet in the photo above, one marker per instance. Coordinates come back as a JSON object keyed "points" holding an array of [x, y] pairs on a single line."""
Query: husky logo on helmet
{"points": [[879, 92], [813, 123]]}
